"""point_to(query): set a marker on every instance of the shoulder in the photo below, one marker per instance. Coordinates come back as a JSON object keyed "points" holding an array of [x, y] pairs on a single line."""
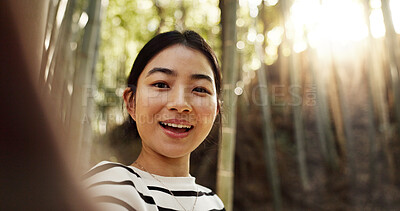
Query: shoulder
{"points": [[109, 184], [209, 198], [106, 169], [110, 175]]}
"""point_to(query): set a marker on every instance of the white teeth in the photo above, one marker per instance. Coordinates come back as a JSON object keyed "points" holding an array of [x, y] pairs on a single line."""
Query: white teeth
{"points": [[176, 125]]}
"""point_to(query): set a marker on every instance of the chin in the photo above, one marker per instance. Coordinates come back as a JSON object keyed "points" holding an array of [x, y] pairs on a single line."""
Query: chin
{"points": [[175, 155], [175, 152]]}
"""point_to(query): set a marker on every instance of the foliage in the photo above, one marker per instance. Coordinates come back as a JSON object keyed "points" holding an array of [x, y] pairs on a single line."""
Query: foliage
{"points": [[341, 85], [127, 26]]}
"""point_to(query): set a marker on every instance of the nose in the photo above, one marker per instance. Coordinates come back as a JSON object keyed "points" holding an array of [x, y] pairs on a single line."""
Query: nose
{"points": [[178, 100]]}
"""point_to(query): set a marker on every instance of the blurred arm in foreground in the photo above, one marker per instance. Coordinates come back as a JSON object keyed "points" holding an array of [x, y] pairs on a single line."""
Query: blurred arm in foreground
{"points": [[34, 174]]}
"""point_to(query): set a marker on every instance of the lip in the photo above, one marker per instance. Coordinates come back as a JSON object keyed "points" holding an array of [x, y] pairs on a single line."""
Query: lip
{"points": [[174, 134], [177, 121]]}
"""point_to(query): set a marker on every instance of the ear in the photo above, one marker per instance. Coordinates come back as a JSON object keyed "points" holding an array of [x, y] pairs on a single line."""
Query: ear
{"points": [[129, 99], [219, 106]]}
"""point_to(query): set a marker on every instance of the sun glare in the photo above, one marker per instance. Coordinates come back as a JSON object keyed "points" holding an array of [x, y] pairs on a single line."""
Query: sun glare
{"points": [[376, 20], [325, 25], [395, 10], [335, 21]]}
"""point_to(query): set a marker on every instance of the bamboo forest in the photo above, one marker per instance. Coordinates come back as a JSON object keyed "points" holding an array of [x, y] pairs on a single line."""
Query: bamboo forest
{"points": [[310, 116]]}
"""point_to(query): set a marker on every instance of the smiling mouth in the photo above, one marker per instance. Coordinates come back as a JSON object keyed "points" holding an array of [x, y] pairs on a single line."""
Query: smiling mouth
{"points": [[176, 128]]}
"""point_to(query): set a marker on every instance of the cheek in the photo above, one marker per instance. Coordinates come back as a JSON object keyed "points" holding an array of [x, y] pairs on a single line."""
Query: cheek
{"points": [[148, 98], [206, 111], [148, 106]]}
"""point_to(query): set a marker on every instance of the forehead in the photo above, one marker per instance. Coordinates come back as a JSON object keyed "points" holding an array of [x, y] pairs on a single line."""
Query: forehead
{"points": [[182, 59]]}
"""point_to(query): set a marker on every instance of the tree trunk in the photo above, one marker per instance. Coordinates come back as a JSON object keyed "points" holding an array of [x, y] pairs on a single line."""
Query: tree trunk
{"points": [[56, 60], [392, 47], [295, 90], [63, 58], [298, 118], [50, 41], [377, 102], [343, 122], [82, 102], [268, 134], [160, 13], [226, 153], [323, 118]]}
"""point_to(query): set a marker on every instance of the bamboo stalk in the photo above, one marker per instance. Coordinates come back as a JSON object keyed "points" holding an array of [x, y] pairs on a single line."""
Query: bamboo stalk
{"points": [[392, 48], [337, 116], [345, 122], [371, 128], [376, 101], [51, 19], [62, 57], [52, 32], [226, 153], [268, 134], [298, 120], [376, 73], [323, 119], [81, 105]]}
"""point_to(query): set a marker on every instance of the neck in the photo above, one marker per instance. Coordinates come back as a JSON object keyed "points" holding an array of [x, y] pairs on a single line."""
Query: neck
{"points": [[163, 166]]}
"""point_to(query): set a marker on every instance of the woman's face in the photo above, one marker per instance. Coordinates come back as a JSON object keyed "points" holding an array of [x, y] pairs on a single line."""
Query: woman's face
{"points": [[175, 102]]}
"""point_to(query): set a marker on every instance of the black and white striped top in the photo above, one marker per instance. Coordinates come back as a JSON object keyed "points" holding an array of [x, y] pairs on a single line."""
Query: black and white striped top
{"points": [[114, 186]]}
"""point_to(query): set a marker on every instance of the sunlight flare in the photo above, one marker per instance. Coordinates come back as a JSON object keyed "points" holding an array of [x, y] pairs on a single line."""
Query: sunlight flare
{"points": [[322, 20], [395, 10]]}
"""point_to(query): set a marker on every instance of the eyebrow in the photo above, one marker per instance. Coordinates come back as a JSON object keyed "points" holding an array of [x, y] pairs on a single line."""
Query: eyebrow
{"points": [[201, 76], [161, 70], [173, 73]]}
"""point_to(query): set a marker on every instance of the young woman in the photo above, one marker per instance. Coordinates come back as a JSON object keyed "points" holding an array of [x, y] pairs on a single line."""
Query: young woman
{"points": [[173, 100]]}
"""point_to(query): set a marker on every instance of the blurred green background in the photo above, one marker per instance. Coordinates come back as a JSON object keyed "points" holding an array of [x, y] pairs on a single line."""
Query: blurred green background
{"points": [[311, 94]]}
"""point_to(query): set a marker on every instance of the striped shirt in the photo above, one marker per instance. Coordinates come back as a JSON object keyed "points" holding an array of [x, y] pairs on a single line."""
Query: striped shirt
{"points": [[114, 186]]}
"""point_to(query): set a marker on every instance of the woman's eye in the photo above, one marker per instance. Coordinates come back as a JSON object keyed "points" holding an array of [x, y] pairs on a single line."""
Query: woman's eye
{"points": [[201, 90], [161, 85]]}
